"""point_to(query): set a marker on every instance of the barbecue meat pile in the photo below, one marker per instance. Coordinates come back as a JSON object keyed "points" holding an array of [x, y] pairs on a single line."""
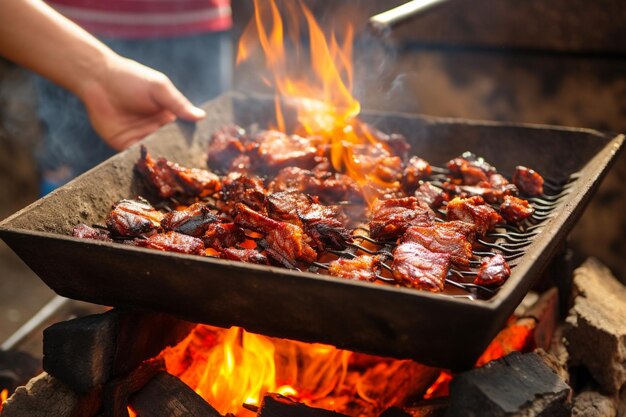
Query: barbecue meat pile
{"points": [[278, 200]]}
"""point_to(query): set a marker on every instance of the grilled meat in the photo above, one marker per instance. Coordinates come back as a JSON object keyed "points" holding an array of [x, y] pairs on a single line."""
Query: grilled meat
{"points": [[440, 239], [416, 169], [471, 169], [225, 145], [417, 267], [466, 229], [222, 235], [390, 218], [528, 181], [361, 268], [285, 242], [192, 221], [431, 195], [329, 187], [493, 271], [515, 209], [474, 210], [83, 231], [276, 150], [169, 179], [247, 189], [173, 242], [323, 224], [130, 218], [244, 255]]}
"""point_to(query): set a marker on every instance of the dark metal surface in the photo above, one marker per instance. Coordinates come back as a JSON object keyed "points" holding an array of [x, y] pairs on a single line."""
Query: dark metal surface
{"points": [[432, 328]]}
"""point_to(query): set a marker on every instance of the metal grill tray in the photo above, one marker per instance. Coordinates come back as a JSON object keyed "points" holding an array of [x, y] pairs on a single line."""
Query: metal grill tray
{"points": [[434, 329]]}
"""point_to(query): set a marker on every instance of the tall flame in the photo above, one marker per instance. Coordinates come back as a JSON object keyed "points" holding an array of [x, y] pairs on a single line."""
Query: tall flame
{"points": [[321, 94]]}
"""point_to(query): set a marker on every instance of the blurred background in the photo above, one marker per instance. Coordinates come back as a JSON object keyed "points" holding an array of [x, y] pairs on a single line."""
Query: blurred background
{"points": [[560, 62]]}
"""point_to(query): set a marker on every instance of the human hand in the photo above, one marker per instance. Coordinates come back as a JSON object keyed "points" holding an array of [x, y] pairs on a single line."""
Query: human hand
{"points": [[126, 101]]}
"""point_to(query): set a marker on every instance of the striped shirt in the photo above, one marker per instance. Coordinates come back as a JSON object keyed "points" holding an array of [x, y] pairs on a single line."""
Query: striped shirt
{"points": [[142, 19]]}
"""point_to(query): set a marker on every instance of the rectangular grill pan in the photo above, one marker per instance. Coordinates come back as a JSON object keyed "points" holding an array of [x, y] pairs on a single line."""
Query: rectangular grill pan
{"points": [[435, 329]]}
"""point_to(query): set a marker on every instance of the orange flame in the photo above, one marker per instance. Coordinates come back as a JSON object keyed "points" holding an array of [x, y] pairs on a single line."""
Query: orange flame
{"points": [[231, 367], [322, 96], [4, 394], [131, 412]]}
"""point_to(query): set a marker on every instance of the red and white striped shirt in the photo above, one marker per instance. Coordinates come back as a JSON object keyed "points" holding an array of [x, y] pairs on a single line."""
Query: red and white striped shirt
{"points": [[147, 18]]}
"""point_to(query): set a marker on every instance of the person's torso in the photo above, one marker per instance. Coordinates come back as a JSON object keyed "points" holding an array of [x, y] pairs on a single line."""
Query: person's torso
{"points": [[142, 19]]}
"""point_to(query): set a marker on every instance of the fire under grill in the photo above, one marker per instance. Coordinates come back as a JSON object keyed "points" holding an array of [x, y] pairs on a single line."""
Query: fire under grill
{"points": [[448, 330]]}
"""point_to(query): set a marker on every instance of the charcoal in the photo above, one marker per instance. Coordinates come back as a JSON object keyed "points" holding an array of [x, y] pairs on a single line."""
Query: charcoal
{"points": [[275, 405], [515, 385], [595, 334], [167, 396], [86, 352]]}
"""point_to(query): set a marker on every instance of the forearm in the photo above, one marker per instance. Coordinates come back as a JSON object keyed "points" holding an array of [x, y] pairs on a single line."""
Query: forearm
{"points": [[35, 36]]}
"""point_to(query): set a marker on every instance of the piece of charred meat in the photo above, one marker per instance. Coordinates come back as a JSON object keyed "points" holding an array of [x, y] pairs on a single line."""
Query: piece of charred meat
{"points": [[514, 209], [471, 169], [247, 189], [225, 145], [416, 169], [493, 191], [417, 267], [466, 229], [250, 256], [173, 242], [284, 242], [168, 179], [441, 239], [329, 187], [276, 150], [323, 224], [390, 218], [83, 231], [222, 235], [431, 195], [493, 271], [131, 218], [474, 210], [192, 221], [361, 268], [528, 181]]}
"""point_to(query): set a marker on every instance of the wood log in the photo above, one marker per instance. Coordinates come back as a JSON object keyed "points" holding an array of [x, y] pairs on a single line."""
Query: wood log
{"points": [[434, 407], [275, 405], [515, 385], [88, 351], [118, 391], [167, 396], [595, 334], [593, 404], [46, 396]]}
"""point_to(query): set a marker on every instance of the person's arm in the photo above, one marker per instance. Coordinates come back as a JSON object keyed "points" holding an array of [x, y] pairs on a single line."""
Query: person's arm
{"points": [[125, 100]]}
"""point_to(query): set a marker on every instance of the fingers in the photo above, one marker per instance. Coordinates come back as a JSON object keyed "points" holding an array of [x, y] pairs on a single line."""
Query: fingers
{"points": [[168, 96]]}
